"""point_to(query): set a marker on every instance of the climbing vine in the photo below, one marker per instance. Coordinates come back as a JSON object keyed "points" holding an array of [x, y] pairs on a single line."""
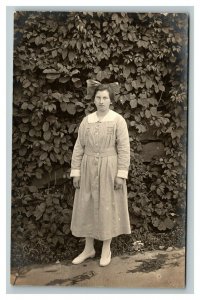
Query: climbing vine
{"points": [[54, 54]]}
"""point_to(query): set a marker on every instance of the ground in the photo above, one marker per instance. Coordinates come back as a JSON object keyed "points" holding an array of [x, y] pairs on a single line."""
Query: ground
{"points": [[144, 269]]}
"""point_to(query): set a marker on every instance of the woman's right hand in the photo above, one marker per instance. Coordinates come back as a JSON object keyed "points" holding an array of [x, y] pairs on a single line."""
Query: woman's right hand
{"points": [[76, 182]]}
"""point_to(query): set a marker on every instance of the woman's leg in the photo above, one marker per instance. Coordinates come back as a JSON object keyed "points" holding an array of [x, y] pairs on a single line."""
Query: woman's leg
{"points": [[87, 252], [106, 253], [106, 248], [89, 244]]}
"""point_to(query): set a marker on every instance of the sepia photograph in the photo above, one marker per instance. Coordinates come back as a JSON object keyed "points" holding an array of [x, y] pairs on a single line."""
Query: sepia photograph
{"points": [[99, 149]]}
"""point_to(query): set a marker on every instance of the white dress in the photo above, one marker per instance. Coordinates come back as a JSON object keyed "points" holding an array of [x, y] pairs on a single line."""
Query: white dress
{"points": [[101, 153]]}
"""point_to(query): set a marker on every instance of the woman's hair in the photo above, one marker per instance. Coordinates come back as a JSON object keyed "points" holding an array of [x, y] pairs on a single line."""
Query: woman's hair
{"points": [[105, 87]]}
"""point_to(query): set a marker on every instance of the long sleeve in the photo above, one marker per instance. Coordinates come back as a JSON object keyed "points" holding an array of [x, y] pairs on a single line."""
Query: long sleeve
{"points": [[123, 148], [78, 152]]}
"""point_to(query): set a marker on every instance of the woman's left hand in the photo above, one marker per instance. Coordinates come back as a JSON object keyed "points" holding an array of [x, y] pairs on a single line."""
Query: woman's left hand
{"points": [[118, 183]]}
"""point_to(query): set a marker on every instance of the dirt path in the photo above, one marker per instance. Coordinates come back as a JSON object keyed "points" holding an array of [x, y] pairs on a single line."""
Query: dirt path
{"points": [[153, 269]]}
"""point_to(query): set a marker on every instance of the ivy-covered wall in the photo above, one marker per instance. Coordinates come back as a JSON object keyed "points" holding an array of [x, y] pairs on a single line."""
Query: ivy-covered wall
{"points": [[54, 54]]}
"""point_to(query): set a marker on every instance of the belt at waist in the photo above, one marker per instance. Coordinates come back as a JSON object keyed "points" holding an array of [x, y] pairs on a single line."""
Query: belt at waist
{"points": [[107, 152]]}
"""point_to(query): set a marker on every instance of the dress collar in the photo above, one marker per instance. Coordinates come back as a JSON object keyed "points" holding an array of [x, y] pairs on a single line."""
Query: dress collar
{"points": [[110, 116]]}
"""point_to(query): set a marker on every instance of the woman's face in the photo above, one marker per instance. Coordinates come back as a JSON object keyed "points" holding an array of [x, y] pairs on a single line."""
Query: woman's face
{"points": [[102, 101]]}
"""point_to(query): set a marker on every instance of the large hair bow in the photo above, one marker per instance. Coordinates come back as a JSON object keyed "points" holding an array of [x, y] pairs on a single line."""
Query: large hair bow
{"points": [[92, 84]]}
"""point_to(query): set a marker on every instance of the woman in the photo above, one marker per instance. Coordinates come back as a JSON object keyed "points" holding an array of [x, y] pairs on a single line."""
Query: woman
{"points": [[99, 168]]}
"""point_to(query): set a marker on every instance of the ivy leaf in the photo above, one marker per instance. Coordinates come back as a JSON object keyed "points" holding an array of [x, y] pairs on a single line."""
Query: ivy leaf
{"points": [[161, 86], [72, 128], [162, 226], [66, 229], [54, 53], [177, 133], [104, 45], [23, 138], [47, 135], [153, 101], [64, 53], [32, 132], [25, 120], [64, 79], [33, 189], [128, 87], [52, 76], [57, 140], [130, 37], [122, 99], [55, 240], [77, 82], [72, 43], [23, 128], [172, 59], [51, 119], [71, 56], [56, 201], [169, 223], [141, 128], [71, 108], [63, 106], [30, 106], [147, 113], [154, 111], [57, 96], [50, 107], [22, 151], [101, 75], [26, 83], [80, 104], [78, 45], [149, 83], [38, 40], [43, 156], [40, 209], [142, 43], [156, 88], [115, 18], [50, 71], [126, 71], [52, 157], [45, 126], [38, 175], [153, 187], [164, 120], [65, 147], [155, 221], [75, 71], [24, 105], [133, 103], [144, 102]]}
